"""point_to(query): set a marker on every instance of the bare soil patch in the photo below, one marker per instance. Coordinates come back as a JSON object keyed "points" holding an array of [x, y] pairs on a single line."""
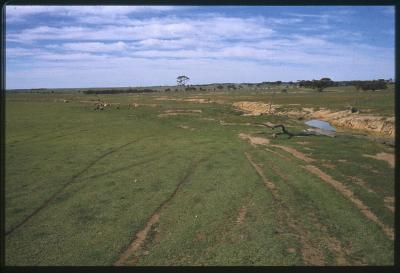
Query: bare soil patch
{"points": [[176, 112], [295, 153], [255, 108], [350, 195], [389, 158], [186, 127], [232, 123], [254, 140], [389, 203], [242, 214]]}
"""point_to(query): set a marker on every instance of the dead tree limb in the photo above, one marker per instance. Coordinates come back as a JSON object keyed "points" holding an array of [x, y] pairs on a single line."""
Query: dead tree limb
{"points": [[308, 132]]}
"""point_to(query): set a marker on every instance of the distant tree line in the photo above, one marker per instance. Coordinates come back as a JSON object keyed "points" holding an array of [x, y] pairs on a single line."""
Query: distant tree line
{"points": [[370, 85], [363, 85], [317, 84]]}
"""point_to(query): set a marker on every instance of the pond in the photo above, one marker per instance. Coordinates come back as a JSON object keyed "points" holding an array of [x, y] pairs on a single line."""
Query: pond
{"points": [[320, 124]]}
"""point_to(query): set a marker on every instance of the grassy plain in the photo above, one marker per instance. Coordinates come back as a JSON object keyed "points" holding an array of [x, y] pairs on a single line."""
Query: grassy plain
{"points": [[81, 184]]}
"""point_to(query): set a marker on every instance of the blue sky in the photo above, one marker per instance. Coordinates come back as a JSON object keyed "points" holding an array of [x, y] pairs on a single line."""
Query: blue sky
{"points": [[104, 46]]}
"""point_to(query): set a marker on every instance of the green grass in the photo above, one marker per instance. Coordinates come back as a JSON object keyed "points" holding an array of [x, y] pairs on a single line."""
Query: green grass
{"points": [[106, 172]]}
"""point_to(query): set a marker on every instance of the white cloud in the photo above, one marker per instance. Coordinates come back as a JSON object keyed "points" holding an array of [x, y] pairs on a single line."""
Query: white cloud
{"points": [[156, 28], [23, 12], [95, 46], [103, 46]]}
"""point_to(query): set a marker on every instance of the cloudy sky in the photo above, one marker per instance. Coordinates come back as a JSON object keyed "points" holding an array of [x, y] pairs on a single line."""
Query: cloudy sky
{"points": [[100, 46]]}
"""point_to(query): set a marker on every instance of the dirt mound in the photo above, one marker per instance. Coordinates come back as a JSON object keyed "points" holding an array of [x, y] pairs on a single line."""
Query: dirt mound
{"points": [[255, 108], [254, 140], [389, 158]]}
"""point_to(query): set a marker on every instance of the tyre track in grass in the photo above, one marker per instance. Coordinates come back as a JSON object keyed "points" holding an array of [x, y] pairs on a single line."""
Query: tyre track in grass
{"points": [[35, 137], [310, 254], [141, 235], [341, 188], [70, 181], [148, 160], [330, 241]]}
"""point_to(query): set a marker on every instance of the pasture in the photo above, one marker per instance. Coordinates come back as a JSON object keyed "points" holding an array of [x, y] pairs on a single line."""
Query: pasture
{"points": [[176, 180]]}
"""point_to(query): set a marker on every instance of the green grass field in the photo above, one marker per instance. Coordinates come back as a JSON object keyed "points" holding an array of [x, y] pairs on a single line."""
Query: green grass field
{"points": [[129, 187]]}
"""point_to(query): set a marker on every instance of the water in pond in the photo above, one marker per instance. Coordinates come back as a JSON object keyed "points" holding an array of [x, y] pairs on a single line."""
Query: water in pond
{"points": [[320, 124]]}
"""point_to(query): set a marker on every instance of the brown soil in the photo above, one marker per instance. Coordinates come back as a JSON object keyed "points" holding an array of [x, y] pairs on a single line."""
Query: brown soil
{"points": [[295, 153], [254, 140], [186, 127], [140, 238], [278, 154], [271, 186], [349, 194], [291, 250], [241, 214], [389, 158], [255, 108], [178, 112], [231, 123], [389, 203], [198, 100]]}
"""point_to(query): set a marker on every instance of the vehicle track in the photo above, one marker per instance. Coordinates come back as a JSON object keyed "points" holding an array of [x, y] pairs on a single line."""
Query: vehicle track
{"points": [[341, 188], [71, 180], [331, 241], [311, 255], [141, 235]]}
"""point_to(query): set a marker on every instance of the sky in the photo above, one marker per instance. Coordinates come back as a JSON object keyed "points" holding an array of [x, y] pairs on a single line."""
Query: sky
{"points": [[115, 46]]}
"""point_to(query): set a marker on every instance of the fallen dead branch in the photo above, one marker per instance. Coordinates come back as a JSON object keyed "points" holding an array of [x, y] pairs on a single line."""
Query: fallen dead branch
{"points": [[307, 132]]}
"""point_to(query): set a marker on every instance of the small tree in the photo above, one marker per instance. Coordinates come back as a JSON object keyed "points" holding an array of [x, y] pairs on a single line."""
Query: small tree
{"points": [[181, 80], [323, 83]]}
